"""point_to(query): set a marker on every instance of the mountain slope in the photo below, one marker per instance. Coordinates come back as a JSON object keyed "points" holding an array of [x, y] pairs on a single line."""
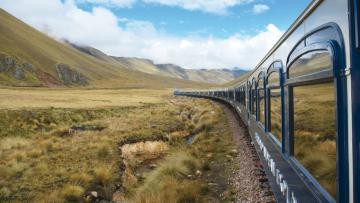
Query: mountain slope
{"points": [[30, 58], [215, 76]]}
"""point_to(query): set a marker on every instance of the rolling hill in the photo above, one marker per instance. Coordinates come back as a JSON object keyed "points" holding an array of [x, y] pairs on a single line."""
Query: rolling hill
{"points": [[214, 76], [30, 58]]}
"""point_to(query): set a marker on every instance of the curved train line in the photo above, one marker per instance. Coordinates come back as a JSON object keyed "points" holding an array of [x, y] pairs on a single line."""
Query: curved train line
{"points": [[301, 104]]}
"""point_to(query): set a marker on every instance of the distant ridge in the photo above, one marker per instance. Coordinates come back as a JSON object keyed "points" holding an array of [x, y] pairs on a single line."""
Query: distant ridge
{"points": [[215, 76]]}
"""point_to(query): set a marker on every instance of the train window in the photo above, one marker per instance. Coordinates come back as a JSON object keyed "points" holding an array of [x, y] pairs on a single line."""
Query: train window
{"points": [[253, 100], [274, 105], [261, 107], [314, 118], [315, 132], [274, 79], [243, 96], [309, 63], [275, 113]]}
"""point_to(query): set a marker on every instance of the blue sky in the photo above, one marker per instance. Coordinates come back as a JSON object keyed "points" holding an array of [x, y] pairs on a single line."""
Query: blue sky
{"points": [[182, 22], [190, 33]]}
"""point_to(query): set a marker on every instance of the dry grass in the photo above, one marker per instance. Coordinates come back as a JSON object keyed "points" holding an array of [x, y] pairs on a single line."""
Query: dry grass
{"points": [[169, 183], [72, 193], [176, 177], [144, 150], [40, 161], [53, 150], [18, 98], [35, 160]]}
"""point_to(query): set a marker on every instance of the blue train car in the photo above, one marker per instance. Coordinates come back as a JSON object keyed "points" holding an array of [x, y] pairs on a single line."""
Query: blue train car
{"points": [[301, 104]]}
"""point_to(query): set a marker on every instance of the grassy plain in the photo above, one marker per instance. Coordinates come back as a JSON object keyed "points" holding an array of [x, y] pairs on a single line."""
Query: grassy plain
{"points": [[69, 145], [19, 98]]}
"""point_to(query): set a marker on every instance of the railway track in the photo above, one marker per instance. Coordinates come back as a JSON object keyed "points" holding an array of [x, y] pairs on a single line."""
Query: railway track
{"points": [[250, 180]]}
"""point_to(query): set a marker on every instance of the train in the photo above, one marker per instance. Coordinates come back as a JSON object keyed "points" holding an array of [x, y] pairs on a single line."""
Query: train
{"points": [[301, 105]]}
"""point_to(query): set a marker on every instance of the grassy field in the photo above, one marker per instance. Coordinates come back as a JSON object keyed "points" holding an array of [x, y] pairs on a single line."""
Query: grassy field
{"points": [[19, 98], [80, 145]]}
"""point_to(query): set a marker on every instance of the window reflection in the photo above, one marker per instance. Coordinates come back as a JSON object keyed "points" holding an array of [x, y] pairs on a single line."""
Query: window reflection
{"points": [[274, 79], [275, 105], [261, 107], [309, 63], [315, 132], [253, 95], [275, 113]]}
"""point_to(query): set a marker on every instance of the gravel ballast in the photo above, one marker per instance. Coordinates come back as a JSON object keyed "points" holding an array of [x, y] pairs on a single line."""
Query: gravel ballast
{"points": [[249, 178]]}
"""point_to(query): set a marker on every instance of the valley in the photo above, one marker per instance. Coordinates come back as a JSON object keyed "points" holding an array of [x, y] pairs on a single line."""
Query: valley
{"points": [[120, 152]]}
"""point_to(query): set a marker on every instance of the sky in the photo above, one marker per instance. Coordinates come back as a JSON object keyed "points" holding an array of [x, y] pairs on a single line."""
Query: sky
{"points": [[197, 34]]}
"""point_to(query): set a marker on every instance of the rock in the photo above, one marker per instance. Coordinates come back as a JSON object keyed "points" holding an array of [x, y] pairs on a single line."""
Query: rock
{"points": [[15, 68], [19, 73], [6, 62], [94, 194], [29, 67], [152, 166], [69, 76], [198, 173], [9, 61]]}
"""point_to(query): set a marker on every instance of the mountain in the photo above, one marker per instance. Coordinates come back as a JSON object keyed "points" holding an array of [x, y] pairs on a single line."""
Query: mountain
{"points": [[236, 81], [30, 58], [214, 76], [236, 72]]}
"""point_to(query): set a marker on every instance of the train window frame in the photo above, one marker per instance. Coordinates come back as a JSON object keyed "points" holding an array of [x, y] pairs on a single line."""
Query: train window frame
{"points": [[248, 97], [243, 95], [261, 76], [273, 69], [357, 25], [253, 94], [328, 75]]}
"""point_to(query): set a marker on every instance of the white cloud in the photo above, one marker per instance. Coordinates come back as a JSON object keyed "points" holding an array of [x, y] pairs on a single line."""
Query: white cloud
{"points": [[260, 8], [100, 28], [110, 3], [210, 6]]}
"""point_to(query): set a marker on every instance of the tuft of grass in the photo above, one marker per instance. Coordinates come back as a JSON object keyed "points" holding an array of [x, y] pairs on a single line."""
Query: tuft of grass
{"points": [[82, 179], [35, 153], [144, 150], [171, 190], [167, 180], [104, 152], [103, 175], [72, 193], [4, 193]]}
